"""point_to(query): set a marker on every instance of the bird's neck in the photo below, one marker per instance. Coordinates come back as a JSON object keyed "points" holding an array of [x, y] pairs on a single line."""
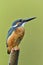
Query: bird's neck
{"points": [[23, 24], [17, 25]]}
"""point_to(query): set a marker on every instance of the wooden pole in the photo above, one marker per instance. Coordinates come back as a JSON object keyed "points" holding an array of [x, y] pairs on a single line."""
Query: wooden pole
{"points": [[13, 60]]}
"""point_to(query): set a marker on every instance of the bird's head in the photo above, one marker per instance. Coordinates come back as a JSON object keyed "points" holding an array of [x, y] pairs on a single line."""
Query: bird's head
{"points": [[16, 22], [21, 22]]}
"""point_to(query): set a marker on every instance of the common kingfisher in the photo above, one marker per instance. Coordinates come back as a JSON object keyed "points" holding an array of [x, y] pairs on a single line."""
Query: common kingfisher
{"points": [[16, 33]]}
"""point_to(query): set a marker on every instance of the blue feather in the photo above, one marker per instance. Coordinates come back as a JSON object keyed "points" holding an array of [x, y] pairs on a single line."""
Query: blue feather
{"points": [[15, 22], [10, 32]]}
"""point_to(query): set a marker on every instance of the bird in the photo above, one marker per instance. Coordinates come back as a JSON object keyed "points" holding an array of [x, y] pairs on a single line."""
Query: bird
{"points": [[16, 33]]}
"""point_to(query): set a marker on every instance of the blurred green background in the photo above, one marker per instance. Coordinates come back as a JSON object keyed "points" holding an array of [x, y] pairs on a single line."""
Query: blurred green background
{"points": [[31, 52]]}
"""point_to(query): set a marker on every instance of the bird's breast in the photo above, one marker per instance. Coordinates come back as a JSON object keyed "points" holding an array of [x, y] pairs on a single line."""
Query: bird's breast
{"points": [[15, 38], [20, 31]]}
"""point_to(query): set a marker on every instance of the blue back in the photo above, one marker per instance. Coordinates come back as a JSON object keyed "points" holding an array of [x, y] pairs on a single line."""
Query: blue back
{"points": [[10, 32]]}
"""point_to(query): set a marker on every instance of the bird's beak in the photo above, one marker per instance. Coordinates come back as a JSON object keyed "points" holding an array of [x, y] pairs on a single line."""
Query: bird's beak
{"points": [[29, 19]]}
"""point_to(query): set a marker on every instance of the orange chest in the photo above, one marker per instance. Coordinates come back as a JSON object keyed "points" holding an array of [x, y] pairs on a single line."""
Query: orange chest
{"points": [[18, 33]]}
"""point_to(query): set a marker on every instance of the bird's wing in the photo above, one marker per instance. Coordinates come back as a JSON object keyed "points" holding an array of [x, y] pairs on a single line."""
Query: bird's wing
{"points": [[9, 32]]}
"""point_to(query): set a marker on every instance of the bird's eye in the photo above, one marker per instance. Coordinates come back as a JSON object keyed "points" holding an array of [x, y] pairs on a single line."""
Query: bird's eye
{"points": [[20, 20]]}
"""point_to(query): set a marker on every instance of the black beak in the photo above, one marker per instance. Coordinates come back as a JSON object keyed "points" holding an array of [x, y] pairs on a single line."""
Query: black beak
{"points": [[29, 19]]}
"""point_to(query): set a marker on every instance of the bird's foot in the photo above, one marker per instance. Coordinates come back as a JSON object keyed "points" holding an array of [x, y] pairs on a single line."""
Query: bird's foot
{"points": [[15, 48]]}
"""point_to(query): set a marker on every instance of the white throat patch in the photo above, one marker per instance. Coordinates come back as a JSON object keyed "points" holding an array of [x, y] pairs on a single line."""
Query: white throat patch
{"points": [[14, 25], [17, 25], [23, 24]]}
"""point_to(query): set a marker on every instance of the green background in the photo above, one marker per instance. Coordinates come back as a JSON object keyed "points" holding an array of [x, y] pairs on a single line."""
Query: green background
{"points": [[31, 52]]}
